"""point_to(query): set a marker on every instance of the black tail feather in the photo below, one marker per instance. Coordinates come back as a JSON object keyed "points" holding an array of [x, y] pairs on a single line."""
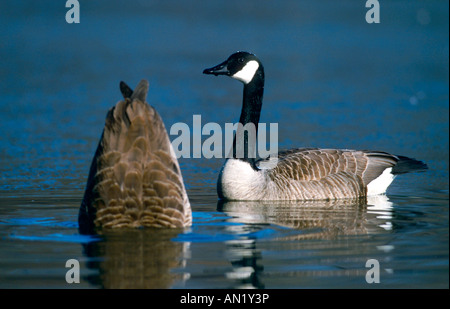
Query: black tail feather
{"points": [[127, 92], [407, 165]]}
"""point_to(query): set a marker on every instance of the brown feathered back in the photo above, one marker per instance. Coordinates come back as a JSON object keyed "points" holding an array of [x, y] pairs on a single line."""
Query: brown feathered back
{"points": [[135, 179]]}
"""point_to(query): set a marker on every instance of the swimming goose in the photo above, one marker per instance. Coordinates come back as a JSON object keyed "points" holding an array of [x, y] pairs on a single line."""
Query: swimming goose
{"points": [[303, 173], [134, 179]]}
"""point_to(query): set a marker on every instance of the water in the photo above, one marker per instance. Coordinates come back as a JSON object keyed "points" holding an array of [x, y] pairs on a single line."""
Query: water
{"points": [[332, 80]]}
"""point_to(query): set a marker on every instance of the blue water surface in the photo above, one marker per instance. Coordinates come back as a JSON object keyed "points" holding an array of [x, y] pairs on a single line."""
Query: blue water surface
{"points": [[332, 81]]}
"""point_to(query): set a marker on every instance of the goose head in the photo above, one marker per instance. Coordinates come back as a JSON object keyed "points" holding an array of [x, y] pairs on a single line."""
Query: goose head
{"points": [[242, 66]]}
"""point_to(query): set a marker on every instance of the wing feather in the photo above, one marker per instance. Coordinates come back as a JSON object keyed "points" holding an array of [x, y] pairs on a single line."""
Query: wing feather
{"points": [[328, 173]]}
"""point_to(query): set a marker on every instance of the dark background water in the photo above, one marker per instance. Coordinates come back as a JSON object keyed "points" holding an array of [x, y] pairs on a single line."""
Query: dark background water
{"points": [[332, 80]]}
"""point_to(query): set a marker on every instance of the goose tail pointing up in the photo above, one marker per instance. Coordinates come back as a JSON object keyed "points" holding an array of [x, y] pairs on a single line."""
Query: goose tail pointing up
{"points": [[135, 179]]}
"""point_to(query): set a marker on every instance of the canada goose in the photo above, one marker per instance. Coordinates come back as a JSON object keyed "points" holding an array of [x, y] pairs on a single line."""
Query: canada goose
{"points": [[134, 179], [303, 173]]}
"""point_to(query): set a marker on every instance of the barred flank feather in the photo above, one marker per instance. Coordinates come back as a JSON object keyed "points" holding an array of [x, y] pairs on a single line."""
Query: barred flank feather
{"points": [[329, 173]]}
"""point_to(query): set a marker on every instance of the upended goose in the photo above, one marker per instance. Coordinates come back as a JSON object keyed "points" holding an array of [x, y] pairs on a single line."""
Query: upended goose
{"points": [[303, 173], [134, 179]]}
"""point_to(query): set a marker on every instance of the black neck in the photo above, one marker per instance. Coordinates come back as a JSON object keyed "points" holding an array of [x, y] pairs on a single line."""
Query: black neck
{"points": [[251, 111]]}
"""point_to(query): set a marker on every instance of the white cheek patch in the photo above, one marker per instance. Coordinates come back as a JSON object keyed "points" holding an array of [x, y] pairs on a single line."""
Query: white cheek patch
{"points": [[247, 72]]}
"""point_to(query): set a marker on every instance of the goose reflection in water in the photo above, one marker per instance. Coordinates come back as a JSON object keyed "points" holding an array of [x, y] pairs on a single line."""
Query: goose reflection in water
{"points": [[154, 260], [311, 220], [317, 219], [146, 262]]}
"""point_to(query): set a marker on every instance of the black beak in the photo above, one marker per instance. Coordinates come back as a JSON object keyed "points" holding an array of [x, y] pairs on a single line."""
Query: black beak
{"points": [[220, 69]]}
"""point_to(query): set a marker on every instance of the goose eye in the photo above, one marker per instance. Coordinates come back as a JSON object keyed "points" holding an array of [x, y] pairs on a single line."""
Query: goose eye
{"points": [[241, 60]]}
